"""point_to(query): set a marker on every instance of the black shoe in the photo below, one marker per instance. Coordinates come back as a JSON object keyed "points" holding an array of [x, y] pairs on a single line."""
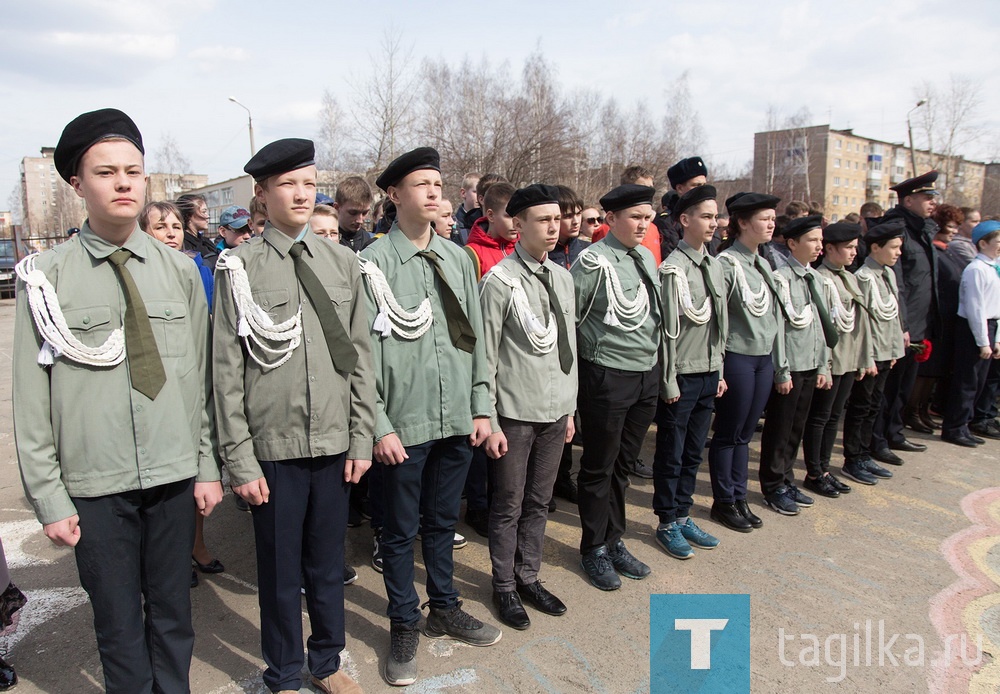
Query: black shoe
{"points": [[377, 549], [729, 516], [541, 599], [799, 498], [194, 578], [213, 567], [8, 678], [479, 521], [782, 501], [744, 508], [599, 569], [960, 439], [914, 422], [908, 446], [884, 455], [640, 469], [350, 574], [822, 486], [510, 610], [458, 624], [626, 564], [989, 428], [565, 488], [874, 468], [552, 505], [977, 439], [401, 665], [858, 472], [837, 484]]}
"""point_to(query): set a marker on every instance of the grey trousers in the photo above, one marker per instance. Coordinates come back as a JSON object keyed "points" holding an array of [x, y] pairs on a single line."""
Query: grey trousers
{"points": [[521, 482]]}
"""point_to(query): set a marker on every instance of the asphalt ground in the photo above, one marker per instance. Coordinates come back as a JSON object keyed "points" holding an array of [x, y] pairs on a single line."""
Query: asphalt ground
{"points": [[917, 555]]}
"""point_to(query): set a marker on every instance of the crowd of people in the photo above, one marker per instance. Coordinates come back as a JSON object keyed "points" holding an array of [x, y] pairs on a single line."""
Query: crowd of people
{"points": [[346, 358]]}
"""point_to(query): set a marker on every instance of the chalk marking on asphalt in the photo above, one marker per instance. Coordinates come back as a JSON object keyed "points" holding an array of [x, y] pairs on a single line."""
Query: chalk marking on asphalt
{"points": [[595, 683], [440, 683], [43, 606], [238, 581], [15, 534], [955, 609]]}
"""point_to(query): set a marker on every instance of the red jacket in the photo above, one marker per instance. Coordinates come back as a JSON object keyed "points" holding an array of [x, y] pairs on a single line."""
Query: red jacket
{"points": [[487, 250]]}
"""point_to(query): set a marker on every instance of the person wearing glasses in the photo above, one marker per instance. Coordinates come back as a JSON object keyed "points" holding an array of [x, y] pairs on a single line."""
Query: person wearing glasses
{"points": [[590, 219]]}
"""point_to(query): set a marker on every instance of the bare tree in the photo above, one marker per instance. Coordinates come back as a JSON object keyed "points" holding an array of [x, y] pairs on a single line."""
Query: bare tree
{"points": [[15, 200], [331, 140], [169, 159], [682, 130], [948, 124]]}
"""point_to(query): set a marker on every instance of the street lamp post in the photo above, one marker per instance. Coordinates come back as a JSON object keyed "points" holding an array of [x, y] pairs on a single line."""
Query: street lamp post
{"points": [[253, 150], [909, 128]]}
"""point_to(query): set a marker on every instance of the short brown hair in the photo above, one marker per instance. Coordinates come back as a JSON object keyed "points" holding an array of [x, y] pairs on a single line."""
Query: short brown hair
{"points": [[469, 180], [634, 173], [164, 208], [871, 209], [257, 206], [485, 181], [497, 196], [796, 208], [325, 211], [353, 189]]}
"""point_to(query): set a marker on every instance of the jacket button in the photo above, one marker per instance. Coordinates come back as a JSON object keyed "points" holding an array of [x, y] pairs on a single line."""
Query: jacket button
{"points": [[86, 320], [168, 312]]}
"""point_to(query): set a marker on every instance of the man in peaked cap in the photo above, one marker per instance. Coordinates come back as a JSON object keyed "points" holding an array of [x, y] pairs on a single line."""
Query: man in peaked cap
{"points": [[126, 503], [297, 418], [433, 406], [916, 278], [618, 329]]}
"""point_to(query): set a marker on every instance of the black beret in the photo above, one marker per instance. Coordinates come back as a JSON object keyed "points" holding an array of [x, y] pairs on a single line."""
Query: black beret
{"points": [[281, 156], [841, 232], [535, 194], [627, 195], [800, 225], [695, 196], [891, 229], [85, 131], [405, 164], [668, 199], [748, 202], [919, 184], [685, 170]]}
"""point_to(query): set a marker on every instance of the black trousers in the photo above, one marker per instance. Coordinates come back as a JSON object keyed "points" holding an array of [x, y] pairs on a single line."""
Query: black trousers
{"points": [[134, 559], [681, 431], [616, 408], [863, 406], [986, 404], [888, 427], [300, 534], [786, 420], [968, 379], [822, 422]]}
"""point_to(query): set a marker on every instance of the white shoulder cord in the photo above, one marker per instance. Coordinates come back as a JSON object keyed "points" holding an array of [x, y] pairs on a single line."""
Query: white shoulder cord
{"points": [[798, 320], [757, 303], [542, 338], [620, 308], [253, 322], [883, 309], [698, 316], [843, 316], [58, 339], [393, 318]]}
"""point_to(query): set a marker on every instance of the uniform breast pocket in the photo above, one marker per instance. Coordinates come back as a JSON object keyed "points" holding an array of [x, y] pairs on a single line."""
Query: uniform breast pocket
{"points": [[341, 297], [275, 303], [90, 325], [170, 326]]}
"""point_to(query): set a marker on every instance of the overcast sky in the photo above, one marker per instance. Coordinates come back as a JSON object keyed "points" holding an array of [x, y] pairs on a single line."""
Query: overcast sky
{"points": [[172, 64]]}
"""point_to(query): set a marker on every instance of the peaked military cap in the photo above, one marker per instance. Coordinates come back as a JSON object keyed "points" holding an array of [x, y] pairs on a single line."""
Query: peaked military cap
{"points": [[923, 183]]}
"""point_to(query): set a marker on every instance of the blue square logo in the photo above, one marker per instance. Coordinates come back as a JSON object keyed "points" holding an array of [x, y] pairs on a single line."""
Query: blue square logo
{"points": [[699, 643]]}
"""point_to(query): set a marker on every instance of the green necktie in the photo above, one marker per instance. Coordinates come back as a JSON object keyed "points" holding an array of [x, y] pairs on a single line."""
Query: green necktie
{"points": [[706, 275], [765, 272], [144, 364], [459, 328], [565, 352], [829, 330], [636, 257], [342, 351]]}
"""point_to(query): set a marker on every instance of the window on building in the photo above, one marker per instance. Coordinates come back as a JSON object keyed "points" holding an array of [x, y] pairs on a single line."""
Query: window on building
{"points": [[836, 199], [836, 163], [838, 144], [836, 180]]}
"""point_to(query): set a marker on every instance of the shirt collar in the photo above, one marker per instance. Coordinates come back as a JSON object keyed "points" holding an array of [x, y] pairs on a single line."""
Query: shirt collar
{"points": [[985, 259], [827, 264], [404, 247], [797, 267], [697, 257], [875, 265], [617, 247], [742, 248], [529, 260], [282, 242], [137, 243]]}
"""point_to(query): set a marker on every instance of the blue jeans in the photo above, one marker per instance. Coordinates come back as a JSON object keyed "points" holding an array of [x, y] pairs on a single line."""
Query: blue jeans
{"points": [[423, 493]]}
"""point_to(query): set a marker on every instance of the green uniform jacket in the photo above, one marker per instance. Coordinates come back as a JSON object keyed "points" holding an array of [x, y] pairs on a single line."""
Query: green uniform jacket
{"points": [[525, 384], [854, 351], [82, 431], [696, 349], [806, 347], [748, 334], [427, 389], [887, 336], [305, 408], [609, 345]]}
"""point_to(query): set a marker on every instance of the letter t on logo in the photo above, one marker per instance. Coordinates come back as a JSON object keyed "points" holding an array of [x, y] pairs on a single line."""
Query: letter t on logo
{"points": [[701, 639]]}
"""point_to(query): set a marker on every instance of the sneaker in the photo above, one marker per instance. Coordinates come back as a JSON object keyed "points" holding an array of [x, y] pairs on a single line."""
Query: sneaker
{"points": [[459, 541], [822, 486], [377, 549], [640, 469], [401, 665], [479, 520], [697, 537], [855, 471], [597, 565], [459, 625], [671, 540], [799, 498], [989, 428], [350, 575], [626, 564], [782, 501], [837, 484], [874, 468]]}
